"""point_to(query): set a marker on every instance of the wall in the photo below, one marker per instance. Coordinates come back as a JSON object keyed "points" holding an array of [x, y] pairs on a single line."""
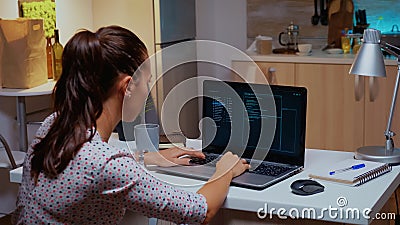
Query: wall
{"points": [[8, 9], [273, 16], [136, 15], [72, 15]]}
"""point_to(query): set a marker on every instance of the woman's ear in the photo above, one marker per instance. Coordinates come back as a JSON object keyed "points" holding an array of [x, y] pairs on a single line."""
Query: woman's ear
{"points": [[126, 86]]}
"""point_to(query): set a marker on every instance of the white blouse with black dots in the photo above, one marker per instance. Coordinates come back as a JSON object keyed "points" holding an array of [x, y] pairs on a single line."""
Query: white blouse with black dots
{"points": [[97, 186]]}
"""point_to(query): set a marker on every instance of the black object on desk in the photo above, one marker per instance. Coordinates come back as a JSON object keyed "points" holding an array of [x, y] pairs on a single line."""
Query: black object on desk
{"points": [[306, 187]]}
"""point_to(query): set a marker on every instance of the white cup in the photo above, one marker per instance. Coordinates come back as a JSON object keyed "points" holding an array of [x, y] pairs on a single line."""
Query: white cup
{"points": [[147, 138], [304, 48], [194, 144]]}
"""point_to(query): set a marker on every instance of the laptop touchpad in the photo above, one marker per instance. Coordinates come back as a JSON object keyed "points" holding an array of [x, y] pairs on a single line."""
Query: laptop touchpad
{"points": [[250, 178]]}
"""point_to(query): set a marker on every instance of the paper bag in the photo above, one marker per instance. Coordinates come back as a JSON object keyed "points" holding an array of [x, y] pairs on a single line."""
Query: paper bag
{"points": [[23, 58]]}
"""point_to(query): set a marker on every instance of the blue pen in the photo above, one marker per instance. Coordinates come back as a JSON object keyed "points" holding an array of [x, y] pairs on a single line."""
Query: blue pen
{"points": [[355, 167]]}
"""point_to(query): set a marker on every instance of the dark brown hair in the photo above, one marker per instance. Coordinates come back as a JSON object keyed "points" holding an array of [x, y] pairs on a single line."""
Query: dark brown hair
{"points": [[91, 64]]}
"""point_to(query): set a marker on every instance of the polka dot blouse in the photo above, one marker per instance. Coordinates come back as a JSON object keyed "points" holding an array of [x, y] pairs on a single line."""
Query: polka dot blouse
{"points": [[97, 186]]}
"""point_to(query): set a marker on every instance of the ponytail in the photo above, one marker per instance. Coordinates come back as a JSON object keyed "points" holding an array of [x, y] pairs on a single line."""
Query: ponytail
{"points": [[91, 64]]}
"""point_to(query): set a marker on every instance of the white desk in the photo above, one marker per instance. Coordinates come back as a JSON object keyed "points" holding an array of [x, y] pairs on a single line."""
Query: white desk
{"points": [[371, 195], [20, 94]]}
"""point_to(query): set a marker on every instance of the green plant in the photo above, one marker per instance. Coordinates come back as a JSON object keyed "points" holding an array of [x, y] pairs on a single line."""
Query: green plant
{"points": [[45, 10]]}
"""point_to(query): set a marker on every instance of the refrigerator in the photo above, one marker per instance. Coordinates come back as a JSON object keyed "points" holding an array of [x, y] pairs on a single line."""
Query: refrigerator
{"points": [[175, 28], [161, 24]]}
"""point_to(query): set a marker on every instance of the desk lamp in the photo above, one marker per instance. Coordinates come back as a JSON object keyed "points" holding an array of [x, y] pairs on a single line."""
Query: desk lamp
{"points": [[369, 62]]}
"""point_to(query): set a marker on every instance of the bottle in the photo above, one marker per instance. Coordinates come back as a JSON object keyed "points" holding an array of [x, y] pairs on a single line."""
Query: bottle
{"points": [[49, 55], [57, 56], [346, 41], [357, 45]]}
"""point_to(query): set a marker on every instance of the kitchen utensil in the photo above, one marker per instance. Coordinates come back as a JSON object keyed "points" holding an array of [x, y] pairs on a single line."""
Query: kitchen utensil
{"points": [[357, 15], [315, 17], [334, 51], [334, 7], [363, 17], [395, 28], [289, 37], [324, 13], [305, 48], [339, 20]]}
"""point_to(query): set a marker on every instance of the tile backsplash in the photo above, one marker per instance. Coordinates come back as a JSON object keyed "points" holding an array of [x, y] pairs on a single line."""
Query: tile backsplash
{"points": [[382, 14], [271, 17]]}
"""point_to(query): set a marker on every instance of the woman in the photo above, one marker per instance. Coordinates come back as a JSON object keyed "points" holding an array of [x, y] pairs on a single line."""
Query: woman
{"points": [[72, 176]]}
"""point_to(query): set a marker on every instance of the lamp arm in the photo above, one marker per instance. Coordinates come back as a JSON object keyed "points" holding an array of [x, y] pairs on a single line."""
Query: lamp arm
{"points": [[384, 45], [388, 133]]}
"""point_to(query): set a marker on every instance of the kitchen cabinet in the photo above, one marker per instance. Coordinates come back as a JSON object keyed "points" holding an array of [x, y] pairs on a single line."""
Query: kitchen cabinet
{"points": [[378, 99], [335, 114], [344, 112], [274, 73]]}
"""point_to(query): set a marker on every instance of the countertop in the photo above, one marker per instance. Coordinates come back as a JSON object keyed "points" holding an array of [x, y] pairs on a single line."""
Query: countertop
{"points": [[317, 56]]}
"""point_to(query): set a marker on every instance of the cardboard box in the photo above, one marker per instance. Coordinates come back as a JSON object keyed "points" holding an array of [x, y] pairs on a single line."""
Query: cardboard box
{"points": [[23, 56]]}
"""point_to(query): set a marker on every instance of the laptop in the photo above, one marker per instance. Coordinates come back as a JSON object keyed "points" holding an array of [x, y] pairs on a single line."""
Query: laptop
{"points": [[265, 124]]}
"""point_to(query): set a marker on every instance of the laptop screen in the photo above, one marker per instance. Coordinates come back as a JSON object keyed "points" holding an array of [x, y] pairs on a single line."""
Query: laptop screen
{"points": [[258, 121]]}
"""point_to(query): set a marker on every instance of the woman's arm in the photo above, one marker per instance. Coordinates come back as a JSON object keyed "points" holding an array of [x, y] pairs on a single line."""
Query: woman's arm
{"points": [[216, 189], [125, 183]]}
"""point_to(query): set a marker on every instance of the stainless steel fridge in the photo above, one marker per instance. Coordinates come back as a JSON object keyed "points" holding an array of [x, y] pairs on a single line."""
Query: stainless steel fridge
{"points": [[160, 24], [175, 23]]}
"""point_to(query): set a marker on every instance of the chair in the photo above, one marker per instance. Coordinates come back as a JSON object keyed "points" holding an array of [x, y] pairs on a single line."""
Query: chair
{"points": [[8, 158], [8, 191]]}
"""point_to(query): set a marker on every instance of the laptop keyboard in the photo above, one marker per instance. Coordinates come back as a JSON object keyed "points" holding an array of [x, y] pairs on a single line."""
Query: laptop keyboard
{"points": [[209, 160], [263, 168], [270, 170]]}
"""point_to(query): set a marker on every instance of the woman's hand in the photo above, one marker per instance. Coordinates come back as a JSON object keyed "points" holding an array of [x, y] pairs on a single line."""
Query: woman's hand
{"points": [[231, 163], [215, 191], [171, 157]]}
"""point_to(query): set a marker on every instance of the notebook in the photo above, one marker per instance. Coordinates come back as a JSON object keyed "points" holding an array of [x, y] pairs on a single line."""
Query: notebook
{"points": [[352, 172], [264, 124]]}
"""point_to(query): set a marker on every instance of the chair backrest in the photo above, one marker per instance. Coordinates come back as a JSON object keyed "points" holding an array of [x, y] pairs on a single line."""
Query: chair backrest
{"points": [[8, 151]]}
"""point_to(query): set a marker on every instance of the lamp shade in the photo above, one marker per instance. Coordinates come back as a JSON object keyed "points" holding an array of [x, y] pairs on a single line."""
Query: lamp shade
{"points": [[369, 60]]}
